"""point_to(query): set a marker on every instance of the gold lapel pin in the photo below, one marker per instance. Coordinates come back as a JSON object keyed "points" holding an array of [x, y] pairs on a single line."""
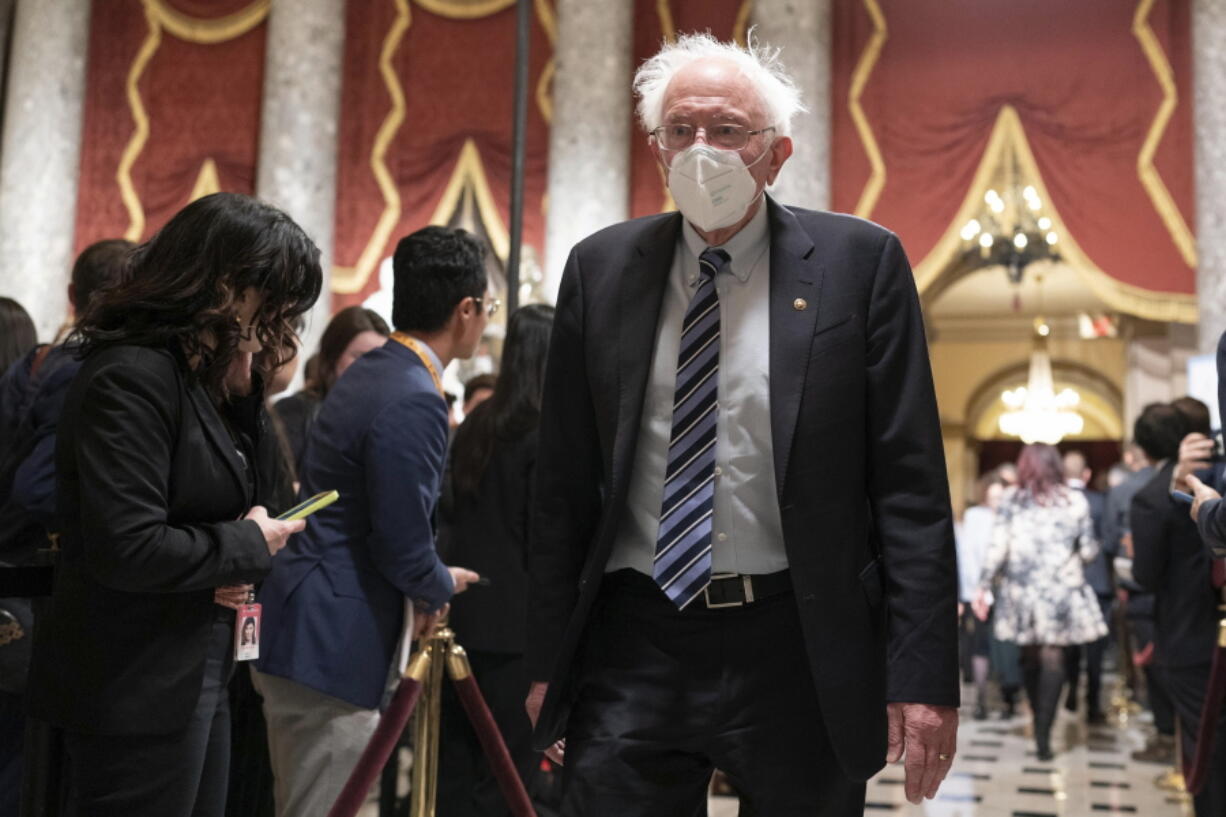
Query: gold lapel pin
{"points": [[800, 304]]}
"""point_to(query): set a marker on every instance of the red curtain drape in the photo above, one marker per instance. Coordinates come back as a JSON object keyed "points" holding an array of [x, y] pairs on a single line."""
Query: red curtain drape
{"points": [[1086, 80], [428, 99], [172, 105]]}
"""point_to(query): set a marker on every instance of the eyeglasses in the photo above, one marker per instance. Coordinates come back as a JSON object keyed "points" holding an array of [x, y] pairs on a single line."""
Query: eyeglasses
{"points": [[491, 308], [680, 136]]}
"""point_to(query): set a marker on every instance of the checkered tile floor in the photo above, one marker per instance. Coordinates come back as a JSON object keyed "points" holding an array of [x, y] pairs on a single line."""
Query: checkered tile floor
{"points": [[995, 774]]}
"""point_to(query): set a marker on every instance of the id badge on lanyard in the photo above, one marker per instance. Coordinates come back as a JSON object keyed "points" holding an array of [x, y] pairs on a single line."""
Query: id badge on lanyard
{"points": [[247, 630]]}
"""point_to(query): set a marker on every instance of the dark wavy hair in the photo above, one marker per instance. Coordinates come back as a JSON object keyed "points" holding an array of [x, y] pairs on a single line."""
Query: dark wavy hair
{"points": [[515, 408], [186, 282], [340, 332], [17, 333], [1040, 472]]}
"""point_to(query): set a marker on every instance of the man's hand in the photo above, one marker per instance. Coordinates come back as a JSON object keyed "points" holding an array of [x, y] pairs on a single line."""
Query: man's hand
{"points": [[424, 624], [1201, 493], [928, 736], [1194, 455], [536, 698], [462, 577]]}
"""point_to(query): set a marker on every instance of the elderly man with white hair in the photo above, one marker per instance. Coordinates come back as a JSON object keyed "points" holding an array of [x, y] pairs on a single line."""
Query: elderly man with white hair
{"points": [[742, 551]]}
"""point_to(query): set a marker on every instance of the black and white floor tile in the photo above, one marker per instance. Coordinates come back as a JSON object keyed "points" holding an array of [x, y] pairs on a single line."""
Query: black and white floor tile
{"points": [[996, 774]]}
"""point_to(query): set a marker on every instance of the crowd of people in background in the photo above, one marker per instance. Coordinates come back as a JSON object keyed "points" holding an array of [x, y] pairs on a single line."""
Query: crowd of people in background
{"points": [[160, 399], [693, 568], [1058, 573]]}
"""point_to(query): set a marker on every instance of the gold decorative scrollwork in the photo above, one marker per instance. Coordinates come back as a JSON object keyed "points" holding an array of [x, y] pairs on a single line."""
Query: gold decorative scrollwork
{"points": [[469, 171], [465, 9], [1150, 178], [352, 279], [204, 31], [740, 29], [859, 78]]}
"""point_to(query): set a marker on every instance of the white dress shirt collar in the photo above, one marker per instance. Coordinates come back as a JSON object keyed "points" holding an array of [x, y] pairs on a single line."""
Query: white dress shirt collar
{"points": [[744, 248]]}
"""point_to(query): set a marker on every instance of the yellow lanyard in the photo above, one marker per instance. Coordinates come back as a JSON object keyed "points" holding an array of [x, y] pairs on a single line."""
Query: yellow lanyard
{"points": [[415, 346]]}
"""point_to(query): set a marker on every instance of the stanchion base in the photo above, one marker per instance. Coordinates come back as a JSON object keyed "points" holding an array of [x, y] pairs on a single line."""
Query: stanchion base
{"points": [[1172, 781]]}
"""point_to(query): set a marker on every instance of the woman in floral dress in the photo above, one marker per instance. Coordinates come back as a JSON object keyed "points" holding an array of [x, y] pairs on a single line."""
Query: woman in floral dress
{"points": [[1042, 540]]}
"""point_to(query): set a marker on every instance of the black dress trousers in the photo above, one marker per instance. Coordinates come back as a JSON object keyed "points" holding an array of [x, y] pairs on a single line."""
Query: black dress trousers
{"points": [[666, 696], [183, 773]]}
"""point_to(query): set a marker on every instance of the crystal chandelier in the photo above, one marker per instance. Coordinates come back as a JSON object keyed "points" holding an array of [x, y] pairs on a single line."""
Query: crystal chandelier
{"points": [[1037, 413], [1012, 229]]}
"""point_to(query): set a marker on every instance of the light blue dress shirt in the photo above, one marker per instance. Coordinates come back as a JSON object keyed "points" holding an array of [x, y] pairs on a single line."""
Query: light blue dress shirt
{"points": [[747, 533]]}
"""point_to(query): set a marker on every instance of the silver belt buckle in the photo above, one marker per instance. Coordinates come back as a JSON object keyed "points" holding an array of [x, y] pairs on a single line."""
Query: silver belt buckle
{"points": [[746, 580]]}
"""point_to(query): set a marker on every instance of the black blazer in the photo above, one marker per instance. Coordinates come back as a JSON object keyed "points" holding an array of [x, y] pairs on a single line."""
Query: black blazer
{"points": [[1170, 560], [858, 458], [150, 486], [488, 533]]}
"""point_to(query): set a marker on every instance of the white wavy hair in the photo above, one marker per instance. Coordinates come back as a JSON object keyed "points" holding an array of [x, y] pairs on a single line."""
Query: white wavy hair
{"points": [[758, 63]]}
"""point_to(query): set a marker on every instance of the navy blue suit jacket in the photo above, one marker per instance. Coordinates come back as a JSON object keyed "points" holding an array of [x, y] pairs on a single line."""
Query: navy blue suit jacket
{"points": [[334, 602]]}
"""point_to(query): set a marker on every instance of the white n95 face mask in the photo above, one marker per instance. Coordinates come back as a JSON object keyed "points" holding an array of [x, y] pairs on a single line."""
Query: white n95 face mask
{"points": [[713, 188]]}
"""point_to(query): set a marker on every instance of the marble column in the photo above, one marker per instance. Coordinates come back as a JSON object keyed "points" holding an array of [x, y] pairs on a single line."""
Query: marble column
{"points": [[298, 127], [40, 156], [1209, 80], [589, 141], [802, 29], [1157, 368], [6, 21]]}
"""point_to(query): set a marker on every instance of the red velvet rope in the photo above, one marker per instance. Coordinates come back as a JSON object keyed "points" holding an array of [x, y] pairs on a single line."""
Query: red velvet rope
{"points": [[1196, 767], [380, 748], [495, 749]]}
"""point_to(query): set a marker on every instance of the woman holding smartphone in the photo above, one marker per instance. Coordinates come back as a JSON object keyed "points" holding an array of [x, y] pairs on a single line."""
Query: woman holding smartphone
{"points": [[159, 490]]}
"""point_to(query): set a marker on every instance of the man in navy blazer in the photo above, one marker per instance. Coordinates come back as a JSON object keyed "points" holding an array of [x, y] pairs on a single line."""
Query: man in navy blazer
{"points": [[742, 548], [334, 604]]}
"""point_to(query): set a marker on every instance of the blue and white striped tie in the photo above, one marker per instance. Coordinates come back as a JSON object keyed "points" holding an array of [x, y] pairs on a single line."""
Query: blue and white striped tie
{"points": [[682, 564]]}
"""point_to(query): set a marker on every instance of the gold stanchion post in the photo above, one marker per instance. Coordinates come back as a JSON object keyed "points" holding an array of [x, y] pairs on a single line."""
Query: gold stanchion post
{"points": [[426, 724]]}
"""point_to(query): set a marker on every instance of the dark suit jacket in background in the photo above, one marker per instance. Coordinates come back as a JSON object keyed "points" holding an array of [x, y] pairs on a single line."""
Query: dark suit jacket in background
{"points": [[1212, 518], [1170, 560], [488, 533], [149, 487], [1099, 572], [334, 602], [858, 462]]}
